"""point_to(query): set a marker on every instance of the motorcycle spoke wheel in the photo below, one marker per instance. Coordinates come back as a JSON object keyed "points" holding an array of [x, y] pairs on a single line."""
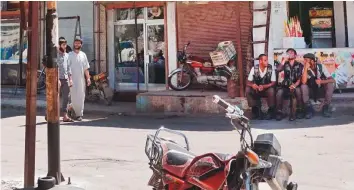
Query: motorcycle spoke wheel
{"points": [[180, 80], [40, 81]]}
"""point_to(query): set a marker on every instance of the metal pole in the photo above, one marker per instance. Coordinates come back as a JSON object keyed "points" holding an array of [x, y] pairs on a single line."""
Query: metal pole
{"points": [[52, 92], [22, 26], [31, 95], [239, 52], [136, 48]]}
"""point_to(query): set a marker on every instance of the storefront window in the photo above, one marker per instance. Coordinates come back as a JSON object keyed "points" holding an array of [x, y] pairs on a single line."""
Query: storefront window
{"points": [[151, 48], [128, 14], [156, 51], [126, 53], [155, 13]]}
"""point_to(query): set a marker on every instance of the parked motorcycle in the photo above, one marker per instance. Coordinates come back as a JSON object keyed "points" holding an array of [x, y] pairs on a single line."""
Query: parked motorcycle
{"points": [[176, 168], [99, 88], [41, 77], [195, 67]]}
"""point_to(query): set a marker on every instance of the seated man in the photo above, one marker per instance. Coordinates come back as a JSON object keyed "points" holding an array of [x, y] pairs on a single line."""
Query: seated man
{"points": [[261, 81], [317, 81], [289, 88]]}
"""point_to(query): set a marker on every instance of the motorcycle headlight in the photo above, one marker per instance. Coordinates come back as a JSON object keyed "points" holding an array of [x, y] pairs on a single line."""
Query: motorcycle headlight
{"points": [[278, 175]]}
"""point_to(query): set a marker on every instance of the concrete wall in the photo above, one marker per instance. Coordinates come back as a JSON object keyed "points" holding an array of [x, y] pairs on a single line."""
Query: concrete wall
{"points": [[339, 23], [84, 9], [350, 16]]}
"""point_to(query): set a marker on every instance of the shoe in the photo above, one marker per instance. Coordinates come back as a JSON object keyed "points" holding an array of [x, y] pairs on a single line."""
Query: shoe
{"points": [[279, 115], [270, 114], [292, 117], [79, 118], [325, 111], [255, 112], [300, 113], [309, 112]]}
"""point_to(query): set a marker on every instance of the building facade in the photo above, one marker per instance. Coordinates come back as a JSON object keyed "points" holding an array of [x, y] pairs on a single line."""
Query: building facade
{"points": [[116, 40]]}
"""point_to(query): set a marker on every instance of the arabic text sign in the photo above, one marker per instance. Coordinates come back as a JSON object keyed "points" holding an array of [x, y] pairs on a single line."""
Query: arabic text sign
{"points": [[338, 61]]}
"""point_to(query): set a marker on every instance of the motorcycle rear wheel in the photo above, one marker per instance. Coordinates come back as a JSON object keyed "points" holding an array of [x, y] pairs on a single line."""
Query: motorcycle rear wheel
{"points": [[177, 87], [107, 100], [41, 81]]}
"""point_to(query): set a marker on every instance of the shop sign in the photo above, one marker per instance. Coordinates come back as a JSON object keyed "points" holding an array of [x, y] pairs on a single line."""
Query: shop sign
{"points": [[320, 13], [338, 61]]}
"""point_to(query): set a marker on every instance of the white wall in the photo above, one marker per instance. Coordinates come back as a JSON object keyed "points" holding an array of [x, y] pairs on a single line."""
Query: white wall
{"points": [[276, 30], [338, 9], [171, 36], [350, 22], [84, 9]]}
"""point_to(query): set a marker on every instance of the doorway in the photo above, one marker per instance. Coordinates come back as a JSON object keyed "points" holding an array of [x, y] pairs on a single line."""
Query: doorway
{"points": [[141, 68]]}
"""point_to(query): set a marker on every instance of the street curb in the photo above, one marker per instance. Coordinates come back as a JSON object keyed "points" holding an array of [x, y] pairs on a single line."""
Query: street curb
{"points": [[158, 115]]}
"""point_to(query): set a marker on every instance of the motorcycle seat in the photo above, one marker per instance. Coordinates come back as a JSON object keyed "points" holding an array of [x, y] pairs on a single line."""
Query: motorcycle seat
{"points": [[223, 157], [177, 155]]}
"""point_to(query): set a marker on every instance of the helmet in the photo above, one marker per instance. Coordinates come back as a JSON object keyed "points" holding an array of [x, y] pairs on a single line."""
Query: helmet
{"points": [[78, 39]]}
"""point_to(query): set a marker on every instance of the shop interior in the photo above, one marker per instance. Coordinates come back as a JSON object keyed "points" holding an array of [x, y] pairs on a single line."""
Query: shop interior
{"points": [[317, 22]]}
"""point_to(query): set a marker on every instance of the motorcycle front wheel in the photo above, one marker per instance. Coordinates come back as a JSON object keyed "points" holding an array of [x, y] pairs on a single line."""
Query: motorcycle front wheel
{"points": [[180, 80]]}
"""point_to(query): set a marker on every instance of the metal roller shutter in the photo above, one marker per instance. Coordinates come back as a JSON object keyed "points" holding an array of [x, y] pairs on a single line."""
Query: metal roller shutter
{"points": [[207, 24]]}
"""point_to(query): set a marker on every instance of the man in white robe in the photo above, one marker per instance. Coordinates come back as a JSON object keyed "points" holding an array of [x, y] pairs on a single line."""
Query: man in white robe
{"points": [[79, 66]]}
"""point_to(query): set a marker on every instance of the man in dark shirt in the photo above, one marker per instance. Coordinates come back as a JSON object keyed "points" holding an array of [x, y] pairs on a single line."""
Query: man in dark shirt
{"points": [[261, 81], [317, 81], [291, 84]]}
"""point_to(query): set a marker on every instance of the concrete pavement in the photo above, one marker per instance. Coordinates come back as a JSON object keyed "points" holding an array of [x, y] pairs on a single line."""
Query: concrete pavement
{"points": [[107, 151]]}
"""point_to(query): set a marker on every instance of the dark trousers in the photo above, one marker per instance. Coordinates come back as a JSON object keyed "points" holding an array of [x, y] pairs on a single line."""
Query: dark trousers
{"points": [[254, 97], [280, 96], [65, 90], [325, 91]]}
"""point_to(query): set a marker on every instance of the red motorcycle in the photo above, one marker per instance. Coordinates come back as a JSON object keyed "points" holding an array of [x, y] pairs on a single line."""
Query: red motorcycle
{"points": [[193, 67], [176, 168]]}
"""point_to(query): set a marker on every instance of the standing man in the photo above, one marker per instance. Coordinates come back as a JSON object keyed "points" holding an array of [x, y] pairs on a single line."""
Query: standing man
{"points": [[261, 81], [291, 84], [64, 78], [79, 66], [316, 80], [68, 48]]}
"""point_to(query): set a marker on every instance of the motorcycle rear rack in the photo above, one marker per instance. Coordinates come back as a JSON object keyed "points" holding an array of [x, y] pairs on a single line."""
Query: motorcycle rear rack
{"points": [[155, 151]]}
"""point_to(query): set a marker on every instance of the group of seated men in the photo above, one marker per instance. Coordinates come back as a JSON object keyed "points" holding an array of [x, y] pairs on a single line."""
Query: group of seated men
{"points": [[300, 81]]}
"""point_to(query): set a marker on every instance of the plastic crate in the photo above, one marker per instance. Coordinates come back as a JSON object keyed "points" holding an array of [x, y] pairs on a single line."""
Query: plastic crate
{"points": [[228, 47], [219, 58]]}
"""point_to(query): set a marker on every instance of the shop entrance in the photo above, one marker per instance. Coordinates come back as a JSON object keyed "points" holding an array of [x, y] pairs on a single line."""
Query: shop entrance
{"points": [[141, 68], [317, 22]]}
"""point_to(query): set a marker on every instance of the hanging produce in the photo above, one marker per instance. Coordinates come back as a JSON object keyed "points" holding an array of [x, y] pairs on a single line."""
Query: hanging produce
{"points": [[292, 28]]}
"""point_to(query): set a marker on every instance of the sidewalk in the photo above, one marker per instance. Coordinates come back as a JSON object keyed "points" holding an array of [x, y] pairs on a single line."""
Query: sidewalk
{"points": [[341, 102], [18, 101]]}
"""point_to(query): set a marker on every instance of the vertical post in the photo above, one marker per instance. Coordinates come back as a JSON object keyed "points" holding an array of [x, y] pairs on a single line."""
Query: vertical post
{"points": [[239, 51], [31, 95], [136, 48], [22, 27], [52, 92]]}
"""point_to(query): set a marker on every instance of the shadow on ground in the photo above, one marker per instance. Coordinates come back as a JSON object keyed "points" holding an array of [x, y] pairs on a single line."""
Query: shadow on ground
{"points": [[208, 123], [193, 123]]}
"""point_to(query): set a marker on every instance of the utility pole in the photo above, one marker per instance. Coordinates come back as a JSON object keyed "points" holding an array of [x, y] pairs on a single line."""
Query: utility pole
{"points": [[52, 83], [31, 92]]}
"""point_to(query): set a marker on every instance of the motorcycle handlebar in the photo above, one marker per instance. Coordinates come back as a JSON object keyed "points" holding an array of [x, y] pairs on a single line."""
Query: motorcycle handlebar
{"points": [[228, 107]]}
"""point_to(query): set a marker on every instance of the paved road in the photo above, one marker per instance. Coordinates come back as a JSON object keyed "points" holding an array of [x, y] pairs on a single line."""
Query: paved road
{"points": [[107, 152]]}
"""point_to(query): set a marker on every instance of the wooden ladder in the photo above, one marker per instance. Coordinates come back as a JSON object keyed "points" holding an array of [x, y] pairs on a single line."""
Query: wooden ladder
{"points": [[250, 53]]}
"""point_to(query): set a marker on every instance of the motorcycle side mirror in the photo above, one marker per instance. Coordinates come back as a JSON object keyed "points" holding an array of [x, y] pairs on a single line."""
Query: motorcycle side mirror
{"points": [[188, 43]]}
